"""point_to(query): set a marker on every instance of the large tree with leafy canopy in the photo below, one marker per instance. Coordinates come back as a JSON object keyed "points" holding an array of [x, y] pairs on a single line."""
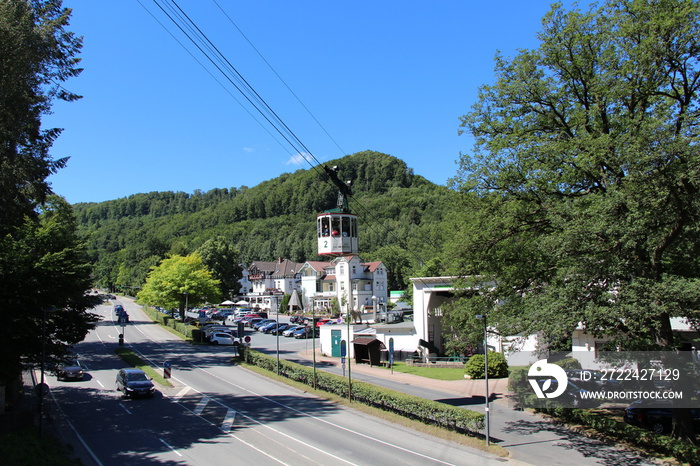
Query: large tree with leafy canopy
{"points": [[180, 280], [581, 193], [43, 269], [224, 261]]}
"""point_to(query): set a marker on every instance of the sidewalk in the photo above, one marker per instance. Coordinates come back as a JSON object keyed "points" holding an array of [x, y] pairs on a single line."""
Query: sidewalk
{"points": [[498, 388]]}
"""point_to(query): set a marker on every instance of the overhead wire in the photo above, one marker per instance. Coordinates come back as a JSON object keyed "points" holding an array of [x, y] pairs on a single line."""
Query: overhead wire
{"points": [[226, 89], [202, 42]]}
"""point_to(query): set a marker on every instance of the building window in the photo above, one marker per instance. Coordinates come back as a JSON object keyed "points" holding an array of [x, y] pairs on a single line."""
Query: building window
{"points": [[341, 270]]}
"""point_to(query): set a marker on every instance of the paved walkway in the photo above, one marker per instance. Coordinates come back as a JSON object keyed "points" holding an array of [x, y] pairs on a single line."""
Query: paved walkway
{"points": [[498, 388]]}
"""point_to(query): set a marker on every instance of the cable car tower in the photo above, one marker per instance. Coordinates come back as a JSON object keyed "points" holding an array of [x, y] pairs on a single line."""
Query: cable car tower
{"points": [[337, 228]]}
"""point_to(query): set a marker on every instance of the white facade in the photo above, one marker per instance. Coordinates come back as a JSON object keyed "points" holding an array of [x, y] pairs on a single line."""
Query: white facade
{"points": [[356, 285], [270, 281], [430, 294]]}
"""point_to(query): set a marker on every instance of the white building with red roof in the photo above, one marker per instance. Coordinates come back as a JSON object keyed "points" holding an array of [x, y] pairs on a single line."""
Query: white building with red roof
{"points": [[356, 285], [270, 281]]}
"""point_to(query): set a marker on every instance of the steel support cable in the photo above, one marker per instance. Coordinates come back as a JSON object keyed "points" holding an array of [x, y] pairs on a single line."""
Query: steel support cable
{"points": [[251, 95], [231, 80], [251, 91], [280, 78], [226, 89]]}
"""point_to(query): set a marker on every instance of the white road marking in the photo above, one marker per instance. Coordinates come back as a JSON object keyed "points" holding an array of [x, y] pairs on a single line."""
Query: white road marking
{"points": [[350, 431], [125, 408], [228, 421], [181, 393], [201, 405], [169, 446]]}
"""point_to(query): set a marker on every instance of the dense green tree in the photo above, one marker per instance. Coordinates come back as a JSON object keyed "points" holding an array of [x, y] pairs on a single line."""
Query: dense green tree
{"points": [[42, 263], [44, 279], [585, 176], [179, 280], [37, 54], [224, 262]]}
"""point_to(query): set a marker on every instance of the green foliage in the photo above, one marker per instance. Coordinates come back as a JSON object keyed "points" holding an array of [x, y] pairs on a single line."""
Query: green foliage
{"points": [[43, 279], [498, 367], [178, 280], [43, 269], [37, 55], [617, 429], [188, 331], [581, 192], [224, 261], [27, 447], [420, 409], [400, 221]]}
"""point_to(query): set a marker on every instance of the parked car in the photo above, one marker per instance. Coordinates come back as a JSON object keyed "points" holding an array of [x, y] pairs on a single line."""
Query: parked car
{"points": [[591, 379], [262, 323], [70, 370], [220, 338], [279, 329], [321, 322], [574, 395], [252, 321], [289, 330], [268, 327], [134, 383], [656, 416], [297, 319], [304, 332]]}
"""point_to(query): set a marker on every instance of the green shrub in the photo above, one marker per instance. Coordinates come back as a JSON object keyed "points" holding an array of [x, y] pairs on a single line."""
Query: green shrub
{"points": [[498, 367], [568, 364]]}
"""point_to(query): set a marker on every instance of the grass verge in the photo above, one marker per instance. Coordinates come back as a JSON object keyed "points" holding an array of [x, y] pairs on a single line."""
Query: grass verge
{"points": [[438, 373]]}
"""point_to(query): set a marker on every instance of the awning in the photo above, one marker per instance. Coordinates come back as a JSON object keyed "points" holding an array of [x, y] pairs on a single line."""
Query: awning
{"points": [[242, 303], [366, 340], [227, 303]]}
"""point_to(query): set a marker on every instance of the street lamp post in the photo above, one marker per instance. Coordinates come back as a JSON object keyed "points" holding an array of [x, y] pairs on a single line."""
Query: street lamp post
{"points": [[277, 331], [313, 337], [486, 376]]}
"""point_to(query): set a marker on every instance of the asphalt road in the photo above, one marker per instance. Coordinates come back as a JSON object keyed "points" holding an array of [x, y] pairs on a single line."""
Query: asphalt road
{"points": [[218, 413]]}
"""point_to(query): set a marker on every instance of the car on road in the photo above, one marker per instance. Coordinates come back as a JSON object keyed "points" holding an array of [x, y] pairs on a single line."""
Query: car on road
{"points": [[220, 338], [70, 370], [134, 383]]}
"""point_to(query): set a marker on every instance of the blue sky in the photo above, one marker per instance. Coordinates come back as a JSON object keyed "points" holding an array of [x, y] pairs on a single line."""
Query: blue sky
{"points": [[390, 76]]}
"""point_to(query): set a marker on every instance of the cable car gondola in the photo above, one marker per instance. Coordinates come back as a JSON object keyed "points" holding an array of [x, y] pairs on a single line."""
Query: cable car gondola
{"points": [[337, 228]]}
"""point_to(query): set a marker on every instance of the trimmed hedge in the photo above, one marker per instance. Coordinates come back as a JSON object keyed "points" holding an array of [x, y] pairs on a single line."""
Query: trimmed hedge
{"points": [[412, 407], [189, 331], [606, 425]]}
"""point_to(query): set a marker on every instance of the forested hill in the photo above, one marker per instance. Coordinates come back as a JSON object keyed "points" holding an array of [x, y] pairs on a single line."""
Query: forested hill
{"points": [[400, 217]]}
